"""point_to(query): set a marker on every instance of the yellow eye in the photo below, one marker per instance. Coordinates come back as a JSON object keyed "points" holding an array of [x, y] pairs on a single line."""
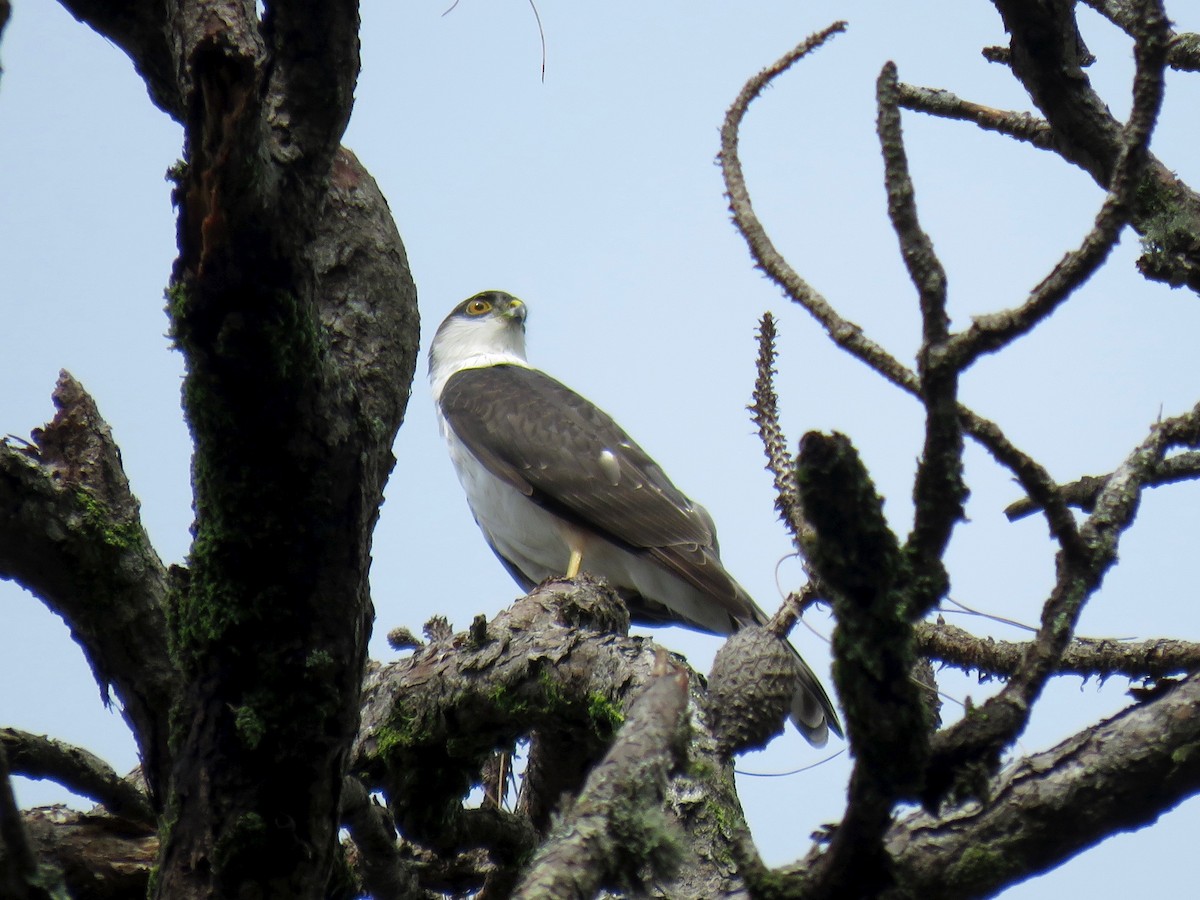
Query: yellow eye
{"points": [[478, 307]]}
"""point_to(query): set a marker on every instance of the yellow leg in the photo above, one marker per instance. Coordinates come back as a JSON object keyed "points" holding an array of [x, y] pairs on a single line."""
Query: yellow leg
{"points": [[575, 562]]}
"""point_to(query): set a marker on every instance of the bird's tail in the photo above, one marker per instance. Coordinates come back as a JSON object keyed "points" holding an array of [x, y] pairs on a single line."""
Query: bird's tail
{"points": [[812, 711]]}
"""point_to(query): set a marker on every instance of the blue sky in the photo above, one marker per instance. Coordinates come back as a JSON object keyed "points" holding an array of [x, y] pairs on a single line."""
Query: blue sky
{"points": [[594, 197]]}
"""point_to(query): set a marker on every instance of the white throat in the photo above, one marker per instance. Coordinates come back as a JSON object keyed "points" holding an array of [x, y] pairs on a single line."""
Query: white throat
{"points": [[473, 344]]}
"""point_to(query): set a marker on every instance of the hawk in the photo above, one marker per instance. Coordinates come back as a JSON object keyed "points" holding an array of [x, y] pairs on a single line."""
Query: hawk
{"points": [[558, 487]]}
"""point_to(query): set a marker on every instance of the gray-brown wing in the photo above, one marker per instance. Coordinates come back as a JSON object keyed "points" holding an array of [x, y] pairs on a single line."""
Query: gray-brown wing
{"points": [[570, 457]]}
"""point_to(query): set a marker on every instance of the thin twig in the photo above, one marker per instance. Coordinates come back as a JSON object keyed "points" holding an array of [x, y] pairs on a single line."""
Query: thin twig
{"points": [[765, 415], [1083, 492]]}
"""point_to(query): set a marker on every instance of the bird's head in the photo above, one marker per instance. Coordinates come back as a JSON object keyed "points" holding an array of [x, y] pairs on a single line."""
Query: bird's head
{"points": [[487, 329]]}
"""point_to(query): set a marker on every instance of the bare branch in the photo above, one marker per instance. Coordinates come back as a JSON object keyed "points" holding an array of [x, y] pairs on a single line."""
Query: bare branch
{"points": [[924, 268], [939, 492], [991, 332], [100, 857], [765, 415], [384, 872], [942, 103], [1082, 493], [1033, 478], [983, 736], [1183, 52], [1086, 657], [141, 28], [1046, 58], [1119, 775], [77, 769], [77, 542], [844, 333]]}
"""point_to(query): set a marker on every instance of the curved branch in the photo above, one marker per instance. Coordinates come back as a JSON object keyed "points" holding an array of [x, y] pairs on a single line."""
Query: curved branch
{"points": [[384, 872], [845, 334], [989, 333], [1045, 57], [1184, 49], [140, 28], [76, 769]]}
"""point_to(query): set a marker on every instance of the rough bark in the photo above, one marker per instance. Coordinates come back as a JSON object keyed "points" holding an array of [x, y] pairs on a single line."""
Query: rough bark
{"points": [[71, 533]]}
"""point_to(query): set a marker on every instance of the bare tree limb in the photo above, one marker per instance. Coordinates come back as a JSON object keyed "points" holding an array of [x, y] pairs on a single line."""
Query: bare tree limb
{"points": [[991, 332], [100, 857], [1046, 59], [764, 410], [943, 103], [1086, 657], [1082, 493], [1119, 775], [1000, 719], [141, 28], [1183, 51], [939, 492], [842, 332], [845, 334], [78, 770], [384, 872], [74, 538]]}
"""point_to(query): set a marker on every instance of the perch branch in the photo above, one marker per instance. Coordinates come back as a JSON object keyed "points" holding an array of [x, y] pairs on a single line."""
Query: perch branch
{"points": [[617, 833]]}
